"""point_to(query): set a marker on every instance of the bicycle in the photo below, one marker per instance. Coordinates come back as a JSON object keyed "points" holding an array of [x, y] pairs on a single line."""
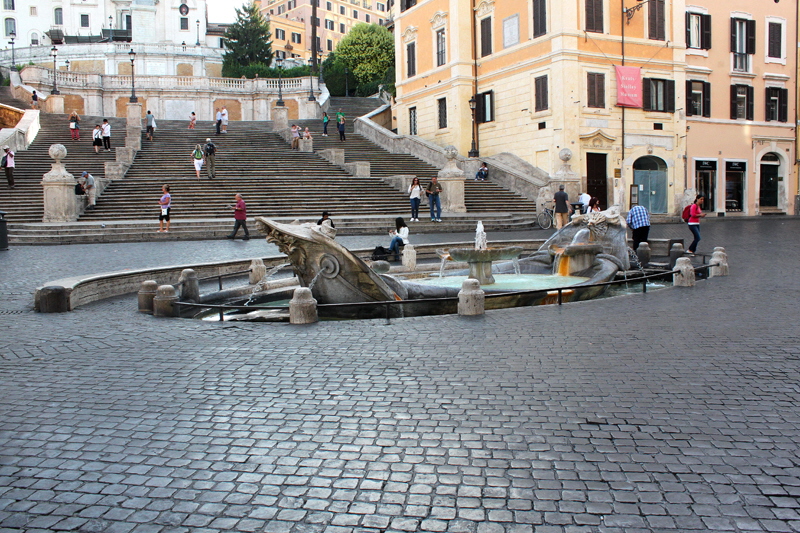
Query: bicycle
{"points": [[547, 218]]}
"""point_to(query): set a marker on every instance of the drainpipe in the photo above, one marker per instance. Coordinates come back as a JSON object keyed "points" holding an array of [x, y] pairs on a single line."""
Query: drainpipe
{"points": [[475, 75], [796, 117]]}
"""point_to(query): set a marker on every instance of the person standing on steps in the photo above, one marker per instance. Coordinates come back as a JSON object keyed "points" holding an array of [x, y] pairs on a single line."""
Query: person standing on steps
{"points": [[563, 209], [240, 218], [8, 164], [164, 203], [295, 136], [198, 159], [695, 214], [97, 138], [224, 119], [415, 192], [90, 188], [192, 120], [433, 190], [218, 118], [75, 126], [340, 125], [150, 125], [325, 120], [210, 151], [34, 100], [106, 135]]}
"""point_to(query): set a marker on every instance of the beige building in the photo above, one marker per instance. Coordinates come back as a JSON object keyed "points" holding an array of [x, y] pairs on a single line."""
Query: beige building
{"points": [[742, 96], [334, 20]]}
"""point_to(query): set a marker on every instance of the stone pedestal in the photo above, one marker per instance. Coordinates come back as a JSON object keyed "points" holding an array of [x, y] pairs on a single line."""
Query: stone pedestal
{"points": [[280, 118], [52, 299], [567, 177], [115, 170], [146, 295], [409, 257], [55, 104], [257, 271], [307, 145], [134, 117], [719, 263], [471, 298], [164, 301], [452, 178], [59, 190], [133, 139], [125, 155], [190, 286], [359, 169], [674, 253], [303, 307], [685, 275], [335, 156], [308, 109], [643, 253]]}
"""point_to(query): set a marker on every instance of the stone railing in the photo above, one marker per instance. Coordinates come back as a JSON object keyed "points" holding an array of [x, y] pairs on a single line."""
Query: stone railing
{"points": [[20, 127]]}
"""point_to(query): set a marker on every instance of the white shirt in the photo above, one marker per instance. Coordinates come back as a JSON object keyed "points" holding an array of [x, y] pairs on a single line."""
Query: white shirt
{"points": [[106, 129], [416, 191], [584, 199], [403, 234]]}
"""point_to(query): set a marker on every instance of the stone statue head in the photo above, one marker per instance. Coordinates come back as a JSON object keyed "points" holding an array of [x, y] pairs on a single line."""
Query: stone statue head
{"points": [[451, 152]]}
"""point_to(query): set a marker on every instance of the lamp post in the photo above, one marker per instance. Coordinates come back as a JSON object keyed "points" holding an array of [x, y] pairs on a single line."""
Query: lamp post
{"points": [[311, 79], [111, 28], [13, 36], [320, 79], [133, 98], [346, 88], [279, 61], [472, 105], [198, 33], [54, 53], [67, 64]]}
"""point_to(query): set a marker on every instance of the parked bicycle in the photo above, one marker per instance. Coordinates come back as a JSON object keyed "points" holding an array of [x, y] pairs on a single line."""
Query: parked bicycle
{"points": [[547, 218]]}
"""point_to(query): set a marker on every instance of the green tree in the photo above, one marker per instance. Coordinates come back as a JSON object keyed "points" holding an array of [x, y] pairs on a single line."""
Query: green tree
{"points": [[368, 53], [248, 42]]}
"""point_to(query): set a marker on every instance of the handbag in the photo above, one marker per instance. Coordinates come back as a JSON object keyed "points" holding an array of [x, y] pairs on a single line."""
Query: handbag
{"points": [[72, 125]]}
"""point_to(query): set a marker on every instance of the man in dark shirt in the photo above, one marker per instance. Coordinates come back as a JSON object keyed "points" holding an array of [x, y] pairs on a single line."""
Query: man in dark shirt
{"points": [[563, 209], [325, 216]]}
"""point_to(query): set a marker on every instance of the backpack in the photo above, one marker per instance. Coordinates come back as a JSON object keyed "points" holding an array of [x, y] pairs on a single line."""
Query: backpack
{"points": [[79, 190], [3, 161], [687, 213], [380, 254], [211, 149], [198, 154]]}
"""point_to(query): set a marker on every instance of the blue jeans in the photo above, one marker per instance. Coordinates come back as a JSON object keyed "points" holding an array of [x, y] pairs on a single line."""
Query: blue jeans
{"points": [[434, 201], [481, 175], [695, 229], [414, 207], [394, 247]]}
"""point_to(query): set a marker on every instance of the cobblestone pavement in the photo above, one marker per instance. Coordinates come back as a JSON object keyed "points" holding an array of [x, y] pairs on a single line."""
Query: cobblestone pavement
{"points": [[675, 410]]}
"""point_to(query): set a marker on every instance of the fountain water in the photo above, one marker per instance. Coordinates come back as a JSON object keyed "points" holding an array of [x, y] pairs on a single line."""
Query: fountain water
{"points": [[263, 281]]}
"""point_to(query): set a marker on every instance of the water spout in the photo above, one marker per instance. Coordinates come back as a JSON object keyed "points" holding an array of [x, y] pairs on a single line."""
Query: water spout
{"points": [[262, 282], [480, 237], [314, 280]]}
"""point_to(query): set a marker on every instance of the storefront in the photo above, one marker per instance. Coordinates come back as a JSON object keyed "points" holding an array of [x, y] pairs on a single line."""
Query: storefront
{"points": [[735, 174], [706, 182]]}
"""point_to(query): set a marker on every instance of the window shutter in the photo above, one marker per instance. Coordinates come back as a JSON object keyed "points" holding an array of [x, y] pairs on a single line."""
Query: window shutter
{"points": [[591, 89], [767, 101], [706, 99], [689, 109], [539, 18], [751, 37], [538, 96], [486, 36], [750, 103], [733, 102], [491, 105], [705, 32], [775, 31], [669, 96], [411, 55], [594, 16], [652, 20], [646, 98], [545, 94], [733, 35], [480, 109], [590, 15], [688, 20], [601, 90], [783, 105]]}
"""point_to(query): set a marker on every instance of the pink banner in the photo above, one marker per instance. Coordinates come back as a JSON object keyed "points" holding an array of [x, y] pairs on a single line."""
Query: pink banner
{"points": [[629, 86]]}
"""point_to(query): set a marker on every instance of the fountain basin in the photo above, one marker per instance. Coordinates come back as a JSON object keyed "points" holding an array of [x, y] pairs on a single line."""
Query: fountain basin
{"points": [[480, 261]]}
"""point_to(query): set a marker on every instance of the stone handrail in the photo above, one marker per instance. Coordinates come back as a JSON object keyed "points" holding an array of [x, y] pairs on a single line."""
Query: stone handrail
{"points": [[27, 121]]}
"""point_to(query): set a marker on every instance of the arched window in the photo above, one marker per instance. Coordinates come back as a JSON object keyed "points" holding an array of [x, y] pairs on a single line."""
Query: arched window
{"points": [[34, 39], [650, 174], [11, 27], [58, 16]]}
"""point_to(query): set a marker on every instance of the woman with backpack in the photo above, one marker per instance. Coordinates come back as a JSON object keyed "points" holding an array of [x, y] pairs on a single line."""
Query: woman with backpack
{"points": [[197, 157], [694, 215]]}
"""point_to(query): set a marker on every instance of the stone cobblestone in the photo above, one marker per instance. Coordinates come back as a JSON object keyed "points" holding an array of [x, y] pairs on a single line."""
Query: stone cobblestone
{"points": [[672, 411]]}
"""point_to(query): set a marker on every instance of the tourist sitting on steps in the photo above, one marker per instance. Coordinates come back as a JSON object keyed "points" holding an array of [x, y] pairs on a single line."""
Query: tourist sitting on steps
{"points": [[399, 237]]}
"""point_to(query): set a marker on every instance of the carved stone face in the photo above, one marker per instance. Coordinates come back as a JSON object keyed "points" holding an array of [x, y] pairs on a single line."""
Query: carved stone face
{"points": [[451, 152]]}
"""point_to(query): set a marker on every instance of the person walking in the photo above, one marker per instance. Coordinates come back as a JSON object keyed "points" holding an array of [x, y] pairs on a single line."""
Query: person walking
{"points": [[639, 221], [192, 120], [224, 119], [90, 188], [8, 164], [218, 119], [150, 125], [34, 100], [433, 190], [563, 209], [75, 126], [210, 151], [198, 159], [165, 203], [415, 192], [240, 218], [106, 127], [340, 125], [325, 120], [584, 199], [295, 137], [399, 237], [695, 214], [97, 138]]}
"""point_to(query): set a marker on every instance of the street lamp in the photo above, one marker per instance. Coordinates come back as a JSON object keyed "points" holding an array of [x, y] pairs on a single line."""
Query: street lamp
{"points": [[346, 89], [198, 33], [13, 36], [472, 105], [111, 28], [279, 61], [133, 98], [311, 79], [320, 80], [54, 53], [67, 64]]}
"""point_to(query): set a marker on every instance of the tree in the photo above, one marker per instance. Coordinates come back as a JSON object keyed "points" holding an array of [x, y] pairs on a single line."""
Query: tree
{"points": [[248, 42], [368, 53]]}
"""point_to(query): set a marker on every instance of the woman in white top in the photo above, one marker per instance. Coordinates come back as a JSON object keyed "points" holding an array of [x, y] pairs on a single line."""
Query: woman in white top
{"points": [[399, 237], [415, 192]]}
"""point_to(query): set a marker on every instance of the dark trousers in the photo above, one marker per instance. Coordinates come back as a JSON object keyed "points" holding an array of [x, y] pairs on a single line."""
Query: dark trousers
{"points": [[107, 143], [695, 229], [239, 224], [640, 236], [10, 176], [341, 134], [219, 125]]}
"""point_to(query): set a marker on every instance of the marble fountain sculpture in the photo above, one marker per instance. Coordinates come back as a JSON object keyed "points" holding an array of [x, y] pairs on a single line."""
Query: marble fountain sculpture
{"points": [[591, 249]]}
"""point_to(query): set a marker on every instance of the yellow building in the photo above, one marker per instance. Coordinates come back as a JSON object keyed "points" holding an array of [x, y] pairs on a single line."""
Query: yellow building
{"points": [[542, 73], [334, 19], [288, 38]]}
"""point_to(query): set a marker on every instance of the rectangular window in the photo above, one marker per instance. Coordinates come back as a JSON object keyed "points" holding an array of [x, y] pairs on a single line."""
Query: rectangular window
{"points": [[486, 36], [441, 55], [329, 24], [84, 21], [412, 121], [184, 23], [742, 102], [342, 10], [342, 28], [355, 14], [484, 107], [540, 90], [698, 31], [539, 18], [34, 12], [280, 34], [296, 38], [329, 6], [411, 59], [8, 5], [441, 105], [596, 84], [407, 4], [366, 17], [698, 96], [58, 16], [777, 104], [743, 43], [775, 43], [594, 16], [330, 45], [11, 26], [658, 95], [381, 7], [656, 27]]}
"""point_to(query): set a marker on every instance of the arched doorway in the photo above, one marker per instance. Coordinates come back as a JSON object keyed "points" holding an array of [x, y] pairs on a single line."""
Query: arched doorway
{"points": [[770, 166], [650, 174]]}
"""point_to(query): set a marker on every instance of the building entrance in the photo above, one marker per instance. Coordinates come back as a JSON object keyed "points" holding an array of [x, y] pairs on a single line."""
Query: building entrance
{"points": [[734, 185], [706, 179], [650, 174], [596, 178], [768, 190]]}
